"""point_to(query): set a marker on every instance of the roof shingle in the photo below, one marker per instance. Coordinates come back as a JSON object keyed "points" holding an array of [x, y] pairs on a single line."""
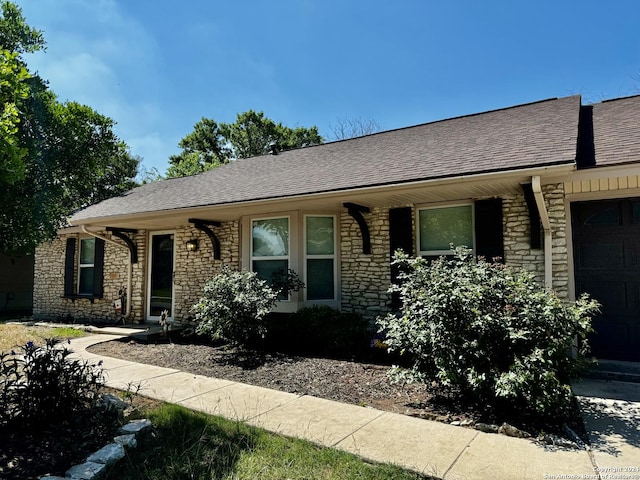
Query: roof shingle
{"points": [[531, 135], [616, 131]]}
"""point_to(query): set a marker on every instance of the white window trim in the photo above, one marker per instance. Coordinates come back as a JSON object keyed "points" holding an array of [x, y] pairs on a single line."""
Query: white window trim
{"points": [[82, 266], [253, 258], [436, 253], [296, 253], [321, 257]]}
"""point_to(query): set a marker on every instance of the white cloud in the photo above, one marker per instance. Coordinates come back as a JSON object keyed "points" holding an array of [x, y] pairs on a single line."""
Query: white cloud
{"points": [[152, 147], [100, 56], [80, 77]]}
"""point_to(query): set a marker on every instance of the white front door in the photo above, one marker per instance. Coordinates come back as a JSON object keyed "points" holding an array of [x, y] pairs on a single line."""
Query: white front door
{"points": [[160, 291]]}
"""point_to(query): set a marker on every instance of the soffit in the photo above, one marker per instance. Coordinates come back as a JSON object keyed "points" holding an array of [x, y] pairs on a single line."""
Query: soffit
{"points": [[484, 186]]}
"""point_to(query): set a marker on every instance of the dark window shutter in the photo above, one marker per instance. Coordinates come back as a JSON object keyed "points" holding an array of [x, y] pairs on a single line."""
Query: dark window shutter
{"points": [[98, 269], [534, 216], [400, 237], [488, 226], [401, 230], [69, 266]]}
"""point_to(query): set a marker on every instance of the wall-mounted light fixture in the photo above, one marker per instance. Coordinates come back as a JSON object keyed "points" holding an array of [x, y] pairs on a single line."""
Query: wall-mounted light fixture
{"points": [[192, 245]]}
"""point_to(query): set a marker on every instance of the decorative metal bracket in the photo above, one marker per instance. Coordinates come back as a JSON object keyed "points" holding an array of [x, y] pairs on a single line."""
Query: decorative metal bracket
{"points": [[203, 226], [120, 233], [356, 212]]}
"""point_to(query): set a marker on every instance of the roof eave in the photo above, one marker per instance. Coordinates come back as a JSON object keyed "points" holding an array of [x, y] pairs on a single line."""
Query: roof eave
{"points": [[515, 175]]}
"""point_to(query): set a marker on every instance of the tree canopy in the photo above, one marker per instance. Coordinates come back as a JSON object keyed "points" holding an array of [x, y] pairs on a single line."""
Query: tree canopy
{"points": [[13, 91], [212, 144], [55, 157], [15, 35]]}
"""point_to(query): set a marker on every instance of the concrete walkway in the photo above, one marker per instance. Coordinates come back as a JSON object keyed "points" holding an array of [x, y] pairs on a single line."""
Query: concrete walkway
{"points": [[432, 448], [611, 413]]}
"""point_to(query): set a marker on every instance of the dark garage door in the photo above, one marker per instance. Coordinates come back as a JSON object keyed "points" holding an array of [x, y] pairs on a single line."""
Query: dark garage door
{"points": [[606, 251]]}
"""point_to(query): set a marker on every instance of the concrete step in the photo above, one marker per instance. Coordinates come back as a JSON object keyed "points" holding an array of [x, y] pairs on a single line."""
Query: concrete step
{"points": [[615, 370]]}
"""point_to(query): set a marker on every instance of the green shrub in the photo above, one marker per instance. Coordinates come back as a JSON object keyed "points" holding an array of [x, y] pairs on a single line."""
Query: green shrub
{"points": [[41, 384], [233, 306], [486, 330], [319, 330]]}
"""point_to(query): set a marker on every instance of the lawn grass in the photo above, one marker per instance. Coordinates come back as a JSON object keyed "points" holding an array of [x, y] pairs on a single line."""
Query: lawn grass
{"points": [[13, 335], [194, 445]]}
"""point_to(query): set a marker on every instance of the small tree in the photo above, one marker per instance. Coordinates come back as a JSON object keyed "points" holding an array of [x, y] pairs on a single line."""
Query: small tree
{"points": [[486, 330]]}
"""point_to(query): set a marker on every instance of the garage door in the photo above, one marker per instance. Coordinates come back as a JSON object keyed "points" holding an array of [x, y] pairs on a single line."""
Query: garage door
{"points": [[606, 250]]}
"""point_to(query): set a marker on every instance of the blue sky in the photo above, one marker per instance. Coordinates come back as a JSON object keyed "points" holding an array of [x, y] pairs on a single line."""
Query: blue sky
{"points": [[157, 67]]}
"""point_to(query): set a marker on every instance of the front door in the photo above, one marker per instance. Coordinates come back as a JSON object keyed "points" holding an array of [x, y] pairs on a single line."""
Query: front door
{"points": [[160, 284], [606, 246]]}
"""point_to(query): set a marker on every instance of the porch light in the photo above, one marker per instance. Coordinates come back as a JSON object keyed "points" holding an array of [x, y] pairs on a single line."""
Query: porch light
{"points": [[192, 245]]}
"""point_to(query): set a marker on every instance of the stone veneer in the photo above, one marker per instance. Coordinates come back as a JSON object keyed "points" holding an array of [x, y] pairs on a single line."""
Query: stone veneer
{"points": [[364, 279], [48, 291], [517, 247], [192, 270]]}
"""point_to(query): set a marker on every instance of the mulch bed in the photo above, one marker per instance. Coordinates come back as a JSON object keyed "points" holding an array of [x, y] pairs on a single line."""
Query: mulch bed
{"points": [[29, 453], [354, 381]]}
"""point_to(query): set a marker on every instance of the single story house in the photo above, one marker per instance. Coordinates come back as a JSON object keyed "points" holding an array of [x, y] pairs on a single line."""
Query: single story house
{"points": [[551, 186]]}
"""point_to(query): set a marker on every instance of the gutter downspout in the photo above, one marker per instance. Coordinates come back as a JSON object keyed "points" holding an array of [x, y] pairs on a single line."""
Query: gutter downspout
{"points": [[129, 265], [546, 227]]}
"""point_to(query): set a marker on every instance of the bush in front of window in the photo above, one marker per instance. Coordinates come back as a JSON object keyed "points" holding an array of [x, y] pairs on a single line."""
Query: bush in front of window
{"points": [[233, 307], [285, 282], [319, 330], [487, 331]]}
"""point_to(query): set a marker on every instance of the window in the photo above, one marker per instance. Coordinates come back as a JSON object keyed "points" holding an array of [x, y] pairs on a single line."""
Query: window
{"points": [[439, 227], [306, 243], [270, 247], [86, 266], [320, 257]]}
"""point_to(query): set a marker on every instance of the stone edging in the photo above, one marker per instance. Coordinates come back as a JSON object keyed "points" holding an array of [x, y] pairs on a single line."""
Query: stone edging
{"points": [[108, 455]]}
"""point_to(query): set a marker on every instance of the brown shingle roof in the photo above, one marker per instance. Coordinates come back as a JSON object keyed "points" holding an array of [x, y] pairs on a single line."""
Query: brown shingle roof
{"points": [[536, 134], [616, 131]]}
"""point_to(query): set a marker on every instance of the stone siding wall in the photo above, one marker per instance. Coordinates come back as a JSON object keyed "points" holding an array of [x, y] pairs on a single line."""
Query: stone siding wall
{"points": [[192, 270], [365, 278], [138, 278], [48, 285], [554, 196], [48, 293], [517, 237], [517, 246]]}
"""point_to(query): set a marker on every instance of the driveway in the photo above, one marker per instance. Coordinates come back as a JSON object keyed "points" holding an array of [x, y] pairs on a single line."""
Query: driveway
{"points": [[611, 413]]}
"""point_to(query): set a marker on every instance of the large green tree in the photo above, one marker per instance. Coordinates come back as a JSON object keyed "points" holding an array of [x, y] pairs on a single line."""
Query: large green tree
{"points": [[212, 144], [13, 91], [15, 34], [16, 37], [55, 157]]}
